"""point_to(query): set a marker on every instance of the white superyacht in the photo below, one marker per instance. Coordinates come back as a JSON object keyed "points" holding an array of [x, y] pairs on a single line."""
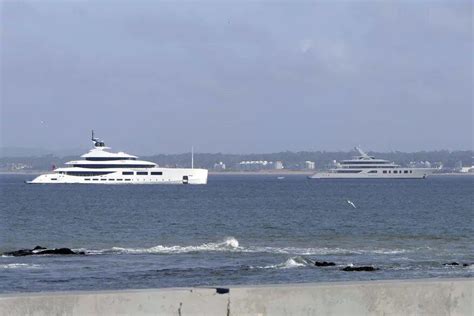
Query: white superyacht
{"points": [[100, 166], [368, 167]]}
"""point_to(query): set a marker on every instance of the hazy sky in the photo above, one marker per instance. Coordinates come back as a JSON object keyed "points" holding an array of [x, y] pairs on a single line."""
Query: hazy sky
{"points": [[237, 76]]}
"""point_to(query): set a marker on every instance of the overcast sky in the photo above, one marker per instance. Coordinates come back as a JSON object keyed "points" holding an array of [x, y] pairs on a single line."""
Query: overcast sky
{"points": [[237, 76]]}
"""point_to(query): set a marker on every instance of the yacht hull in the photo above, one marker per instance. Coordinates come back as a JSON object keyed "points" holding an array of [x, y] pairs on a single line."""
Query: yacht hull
{"points": [[415, 174], [168, 176]]}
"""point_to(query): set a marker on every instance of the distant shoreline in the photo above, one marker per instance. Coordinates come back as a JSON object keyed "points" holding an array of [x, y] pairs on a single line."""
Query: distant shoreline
{"points": [[243, 173]]}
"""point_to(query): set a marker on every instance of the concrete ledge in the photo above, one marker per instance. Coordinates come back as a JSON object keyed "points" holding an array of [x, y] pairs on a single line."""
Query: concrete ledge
{"points": [[400, 297]]}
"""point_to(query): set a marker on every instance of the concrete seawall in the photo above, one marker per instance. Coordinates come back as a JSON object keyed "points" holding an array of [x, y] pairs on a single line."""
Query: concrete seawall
{"points": [[400, 297]]}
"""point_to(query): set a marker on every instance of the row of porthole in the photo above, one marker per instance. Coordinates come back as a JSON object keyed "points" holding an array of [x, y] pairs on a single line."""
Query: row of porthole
{"points": [[398, 171], [94, 179]]}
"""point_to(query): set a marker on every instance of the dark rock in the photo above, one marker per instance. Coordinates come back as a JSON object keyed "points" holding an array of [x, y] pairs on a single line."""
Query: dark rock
{"points": [[451, 264], [363, 268], [324, 264], [57, 251], [38, 250], [465, 264], [20, 253]]}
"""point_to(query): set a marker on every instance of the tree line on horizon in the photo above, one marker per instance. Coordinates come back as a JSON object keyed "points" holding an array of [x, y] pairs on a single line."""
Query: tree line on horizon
{"points": [[291, 160]]}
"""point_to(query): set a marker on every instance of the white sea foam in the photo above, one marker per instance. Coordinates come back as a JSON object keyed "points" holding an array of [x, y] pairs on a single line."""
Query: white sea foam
{"points": [[388, 251], [19, 266], [294, 262], [231, 244]]}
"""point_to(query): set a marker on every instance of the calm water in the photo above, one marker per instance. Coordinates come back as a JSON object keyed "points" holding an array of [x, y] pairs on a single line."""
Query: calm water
{"points": [[235, 230]]}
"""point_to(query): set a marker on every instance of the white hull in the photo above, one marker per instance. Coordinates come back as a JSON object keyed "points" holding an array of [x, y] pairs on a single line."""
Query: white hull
{"points": [[168, 176], [412, 174]]}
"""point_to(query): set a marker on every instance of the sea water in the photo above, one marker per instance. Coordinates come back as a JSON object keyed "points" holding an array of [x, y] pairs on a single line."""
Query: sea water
{"points": [[234, 230]]}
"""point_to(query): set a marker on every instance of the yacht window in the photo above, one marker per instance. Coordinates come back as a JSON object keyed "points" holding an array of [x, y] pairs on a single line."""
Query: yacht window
{"points": [[410, 171], [95, 179], [100, 166], [103, 179], [142, 173], [390, 171], [127, 173], [395, 171], [348, 171], [156, 173], [54, 179], [87, 179], [127, 179], [108, 158], [363, 162], [406, 171], [373, 171], [385, 171], [87, 173], [111, 179], [119, 179]]}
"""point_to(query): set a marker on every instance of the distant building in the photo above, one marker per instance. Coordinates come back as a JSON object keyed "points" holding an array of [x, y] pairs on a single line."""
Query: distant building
{"points": [[18, 166], [252, 165], [419, 164], [279, 165], [219, 166], [467, 169], [309, 165]]}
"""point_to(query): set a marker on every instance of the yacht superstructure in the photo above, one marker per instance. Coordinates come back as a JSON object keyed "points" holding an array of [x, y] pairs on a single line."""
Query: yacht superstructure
{"points": [[365, 166], [101, 166]]}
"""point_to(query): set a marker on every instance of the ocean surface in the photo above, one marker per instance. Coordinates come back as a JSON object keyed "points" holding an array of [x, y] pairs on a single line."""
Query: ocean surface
{"points": [[235, 230]]}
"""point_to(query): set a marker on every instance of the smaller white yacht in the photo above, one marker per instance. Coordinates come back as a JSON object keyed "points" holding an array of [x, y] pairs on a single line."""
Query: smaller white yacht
{"points": [[368, 167], [101, 166]]}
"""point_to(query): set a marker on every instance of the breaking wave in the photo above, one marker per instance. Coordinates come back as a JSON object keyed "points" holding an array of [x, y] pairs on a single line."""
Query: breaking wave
{"points": [[294, 262], [19, 266], [231, 244]]}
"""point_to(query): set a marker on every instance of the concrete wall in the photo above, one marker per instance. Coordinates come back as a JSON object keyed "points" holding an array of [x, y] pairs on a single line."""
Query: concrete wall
{"points": [[411, 297]]}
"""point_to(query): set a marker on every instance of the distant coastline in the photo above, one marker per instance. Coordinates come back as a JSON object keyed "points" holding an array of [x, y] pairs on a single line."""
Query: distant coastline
{"points": [[244, 173]]}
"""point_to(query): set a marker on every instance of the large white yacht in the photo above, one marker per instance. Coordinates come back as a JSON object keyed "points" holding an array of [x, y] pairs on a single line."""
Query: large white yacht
{"points": [[100, 166], [365, 166]]}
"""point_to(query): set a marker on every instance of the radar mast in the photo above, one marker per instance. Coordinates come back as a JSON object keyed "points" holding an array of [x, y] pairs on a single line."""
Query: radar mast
{"points": [[97, 142], [362, 153]]}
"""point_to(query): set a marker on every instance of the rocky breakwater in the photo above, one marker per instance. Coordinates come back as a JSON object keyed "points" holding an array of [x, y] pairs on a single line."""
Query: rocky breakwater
{"points": [[38, 250]]}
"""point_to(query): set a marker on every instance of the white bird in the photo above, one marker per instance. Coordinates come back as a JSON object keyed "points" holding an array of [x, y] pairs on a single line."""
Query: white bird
{"points": [[352, 204]]}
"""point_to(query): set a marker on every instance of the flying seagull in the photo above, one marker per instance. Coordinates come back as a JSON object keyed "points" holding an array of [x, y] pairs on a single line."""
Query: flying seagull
{"points": [[351, 204]]}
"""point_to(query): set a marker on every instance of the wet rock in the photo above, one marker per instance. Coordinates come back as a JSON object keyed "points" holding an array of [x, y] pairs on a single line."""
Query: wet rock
{"points": [[57, 251], [38, 250], [324, 264], [20, 253], [362, 268], [454, 264]]}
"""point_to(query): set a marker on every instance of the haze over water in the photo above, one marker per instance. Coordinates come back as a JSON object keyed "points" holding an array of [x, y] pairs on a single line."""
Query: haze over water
{"points": [[237, 77], [235, 230]]}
